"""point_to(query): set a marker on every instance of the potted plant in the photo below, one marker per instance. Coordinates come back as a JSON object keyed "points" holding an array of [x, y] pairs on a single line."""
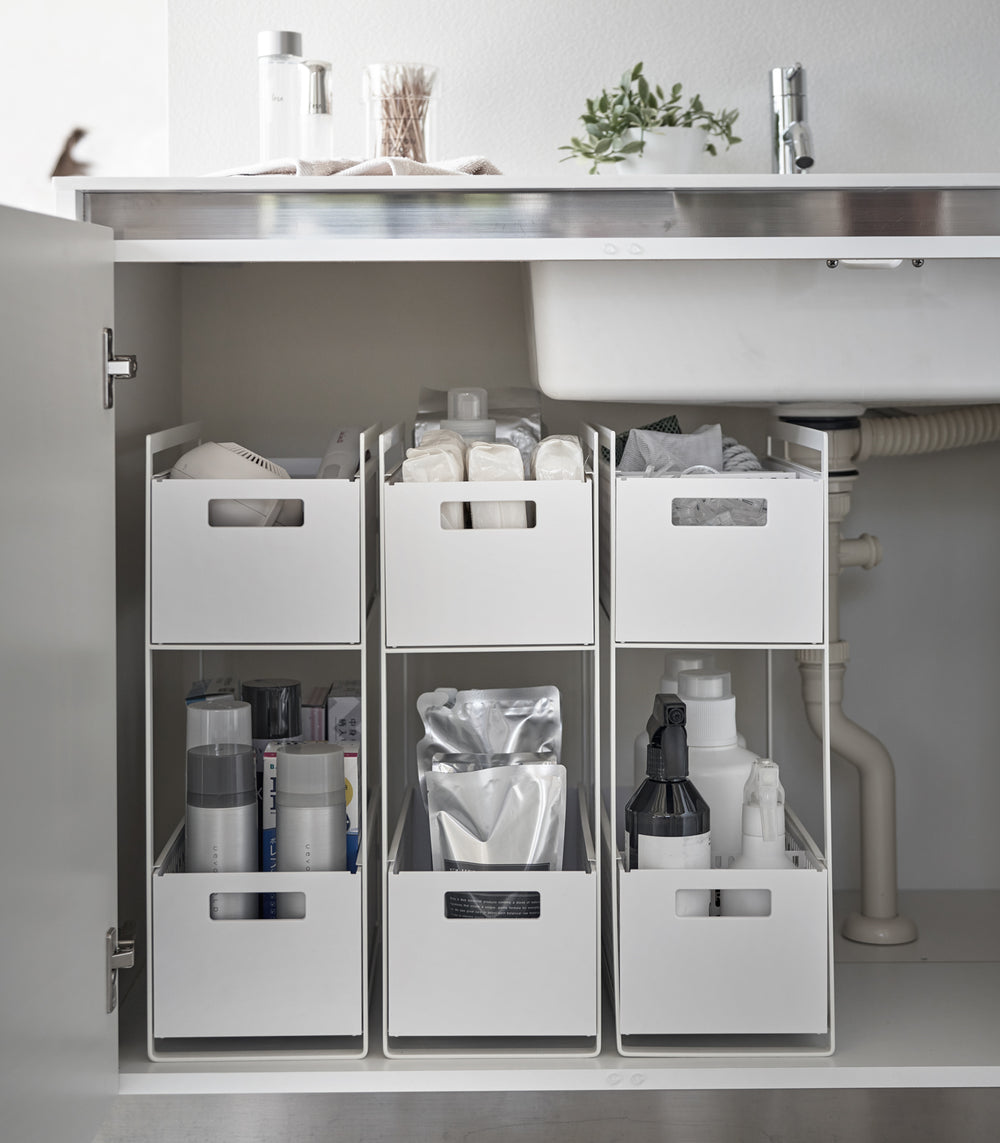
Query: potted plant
{"points": [[633, 119]]}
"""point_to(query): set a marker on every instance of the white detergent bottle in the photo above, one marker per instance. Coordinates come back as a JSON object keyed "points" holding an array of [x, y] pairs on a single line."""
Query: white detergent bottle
{"points": [[720, 767], [763, 840], [673, 663]]}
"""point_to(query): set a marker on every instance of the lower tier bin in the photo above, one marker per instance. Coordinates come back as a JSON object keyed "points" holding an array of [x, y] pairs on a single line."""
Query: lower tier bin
{"points": [[218, 979], [490, 953], [698, 977]]}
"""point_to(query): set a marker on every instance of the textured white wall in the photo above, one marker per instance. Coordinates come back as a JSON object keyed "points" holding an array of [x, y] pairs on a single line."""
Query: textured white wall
{"points": [[901, 85]]}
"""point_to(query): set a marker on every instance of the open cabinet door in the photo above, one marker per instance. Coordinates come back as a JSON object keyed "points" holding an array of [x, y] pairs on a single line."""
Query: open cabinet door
{"points": [[58, 1044]]}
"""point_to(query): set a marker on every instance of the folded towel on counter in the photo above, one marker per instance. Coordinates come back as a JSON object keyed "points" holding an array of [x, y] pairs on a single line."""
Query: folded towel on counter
{"points": [[469, 165]]}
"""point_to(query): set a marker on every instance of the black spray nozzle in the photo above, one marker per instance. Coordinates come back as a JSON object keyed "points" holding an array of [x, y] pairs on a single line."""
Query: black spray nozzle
{"points": [[668, 710], [667, 754]]}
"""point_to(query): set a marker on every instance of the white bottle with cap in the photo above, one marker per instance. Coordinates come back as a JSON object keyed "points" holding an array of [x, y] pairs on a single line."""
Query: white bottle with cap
{"points": [[720, 767], [312, 814], [673, 663], [763, 839]]}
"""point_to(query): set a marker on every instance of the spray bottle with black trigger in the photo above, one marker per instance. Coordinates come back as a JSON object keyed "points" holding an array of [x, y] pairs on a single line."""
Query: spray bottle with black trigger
{"points": [[666, 819]]}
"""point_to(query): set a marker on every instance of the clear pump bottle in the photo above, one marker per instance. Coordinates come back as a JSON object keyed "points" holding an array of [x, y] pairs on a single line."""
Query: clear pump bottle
{"points": [[317, 121]]}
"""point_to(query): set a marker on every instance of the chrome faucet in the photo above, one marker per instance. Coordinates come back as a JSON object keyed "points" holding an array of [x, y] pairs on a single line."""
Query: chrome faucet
{"points": [[790, 136]]}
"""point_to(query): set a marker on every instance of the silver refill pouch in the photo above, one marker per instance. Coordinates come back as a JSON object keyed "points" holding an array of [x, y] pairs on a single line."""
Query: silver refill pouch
{"points": [[503, 817], [487, 727]]}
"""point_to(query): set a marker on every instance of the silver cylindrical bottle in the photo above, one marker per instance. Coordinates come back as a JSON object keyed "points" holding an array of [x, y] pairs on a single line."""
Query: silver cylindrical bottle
{"points": [[312, 814], [221, 821]]}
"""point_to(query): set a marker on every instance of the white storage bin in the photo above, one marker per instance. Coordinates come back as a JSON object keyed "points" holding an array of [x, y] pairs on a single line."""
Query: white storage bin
{"points": [[716, 975], [677, 583], [486, 587], [252, 585], [255, 978], [532, 976]]}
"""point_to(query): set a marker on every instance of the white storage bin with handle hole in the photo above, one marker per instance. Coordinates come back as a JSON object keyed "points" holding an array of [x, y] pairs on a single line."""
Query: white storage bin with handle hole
{"points": [[210, 582], [678, 580], [472, 587]]}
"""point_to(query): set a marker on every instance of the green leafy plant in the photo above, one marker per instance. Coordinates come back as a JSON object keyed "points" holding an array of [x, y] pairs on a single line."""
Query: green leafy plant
{"points": [[635, 105]]}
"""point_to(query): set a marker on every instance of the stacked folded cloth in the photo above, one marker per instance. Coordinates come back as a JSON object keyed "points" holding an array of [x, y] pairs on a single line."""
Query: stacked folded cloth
{"points": [[469, 165]]}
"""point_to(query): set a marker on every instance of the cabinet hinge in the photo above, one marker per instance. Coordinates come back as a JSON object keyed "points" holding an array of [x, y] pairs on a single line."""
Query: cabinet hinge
{"points": [[122, 365], [119, 952]]}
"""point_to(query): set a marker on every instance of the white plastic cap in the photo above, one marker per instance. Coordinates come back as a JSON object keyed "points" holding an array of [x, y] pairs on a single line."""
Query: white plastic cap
{"points": [[218, 720], [711, 707], [674, 663]]}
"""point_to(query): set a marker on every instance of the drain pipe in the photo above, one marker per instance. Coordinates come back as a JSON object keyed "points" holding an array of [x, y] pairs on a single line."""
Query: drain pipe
{"points": [[853, 439]]}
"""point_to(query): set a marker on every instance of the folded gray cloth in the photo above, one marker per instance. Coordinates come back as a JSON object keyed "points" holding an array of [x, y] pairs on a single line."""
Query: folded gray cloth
{"points": [[469, 165]]}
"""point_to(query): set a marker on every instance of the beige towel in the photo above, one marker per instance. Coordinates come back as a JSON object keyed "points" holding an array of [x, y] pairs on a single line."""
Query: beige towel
{"points": [[470, 165]]}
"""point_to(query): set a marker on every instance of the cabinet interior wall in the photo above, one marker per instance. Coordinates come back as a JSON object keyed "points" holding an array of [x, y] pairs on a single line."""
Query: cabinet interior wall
{"points": [[276, 355]]}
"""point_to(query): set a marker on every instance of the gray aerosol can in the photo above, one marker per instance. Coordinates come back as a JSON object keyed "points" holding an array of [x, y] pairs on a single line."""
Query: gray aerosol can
{"points": [[312, 814], [220, 829]]}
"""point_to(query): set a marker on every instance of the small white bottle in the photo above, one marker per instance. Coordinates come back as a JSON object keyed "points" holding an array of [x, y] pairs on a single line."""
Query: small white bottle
{"points": [[312, 814], [763, 840], [317, 121], [280, 94], [673, 664], [720, 767], [220, 821]]}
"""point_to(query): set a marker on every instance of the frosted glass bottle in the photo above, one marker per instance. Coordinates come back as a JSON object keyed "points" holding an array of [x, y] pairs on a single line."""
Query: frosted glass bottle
{"points": [[280, 94]]}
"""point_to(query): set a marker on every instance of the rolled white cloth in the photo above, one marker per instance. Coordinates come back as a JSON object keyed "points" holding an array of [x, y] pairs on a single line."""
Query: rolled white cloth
{"points": [[557, 457], [488, 461], [435, 465], [467, 165]]}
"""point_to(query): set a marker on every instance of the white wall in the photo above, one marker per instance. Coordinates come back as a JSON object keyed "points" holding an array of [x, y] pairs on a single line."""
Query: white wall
{"points": [[101, 66], [901, 85]]}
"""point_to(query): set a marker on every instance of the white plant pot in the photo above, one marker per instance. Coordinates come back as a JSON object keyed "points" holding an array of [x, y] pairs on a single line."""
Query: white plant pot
{"points": [[668, 151]]}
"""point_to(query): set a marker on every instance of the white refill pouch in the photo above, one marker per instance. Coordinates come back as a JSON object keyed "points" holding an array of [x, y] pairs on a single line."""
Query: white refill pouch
{"points": [[503, 817], [496, 462], [557, 458], [435, 465]]}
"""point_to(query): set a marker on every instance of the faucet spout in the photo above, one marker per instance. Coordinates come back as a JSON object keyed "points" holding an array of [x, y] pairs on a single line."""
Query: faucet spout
{"points": [[792, 151]]}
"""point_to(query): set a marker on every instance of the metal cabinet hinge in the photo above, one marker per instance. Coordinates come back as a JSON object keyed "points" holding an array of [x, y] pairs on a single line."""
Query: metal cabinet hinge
{"points": [[119, 952], [122, 365]]}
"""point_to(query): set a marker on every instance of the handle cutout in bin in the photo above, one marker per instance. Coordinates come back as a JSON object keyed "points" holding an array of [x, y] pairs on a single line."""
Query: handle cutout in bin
{"points": [[255, 513], [488, 906], [488, 515], [704, 511], [734, 903], [246, 906]]}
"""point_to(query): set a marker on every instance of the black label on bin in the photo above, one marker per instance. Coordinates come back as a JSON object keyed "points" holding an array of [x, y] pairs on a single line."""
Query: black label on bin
{"points": [[493, 906]]}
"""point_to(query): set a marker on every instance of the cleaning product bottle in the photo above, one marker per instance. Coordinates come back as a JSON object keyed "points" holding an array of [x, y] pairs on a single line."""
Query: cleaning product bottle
{"points": [[763, 839], [667, 822], [720, 767], [673, 663]]}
